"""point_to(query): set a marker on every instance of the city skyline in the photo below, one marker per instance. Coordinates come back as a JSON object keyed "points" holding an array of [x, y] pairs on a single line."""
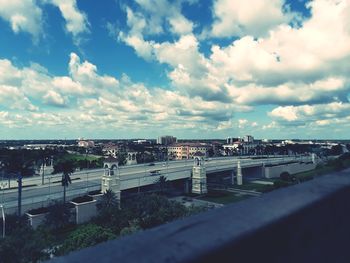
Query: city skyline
{"points": [[144, 68]]}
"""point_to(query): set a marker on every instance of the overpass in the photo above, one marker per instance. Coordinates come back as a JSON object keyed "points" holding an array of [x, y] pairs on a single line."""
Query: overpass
{"points": [[35, 194]]}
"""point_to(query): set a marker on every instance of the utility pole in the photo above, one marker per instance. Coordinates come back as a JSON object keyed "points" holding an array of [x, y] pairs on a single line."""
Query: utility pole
{"points": [[19, 181], [43, 172]]}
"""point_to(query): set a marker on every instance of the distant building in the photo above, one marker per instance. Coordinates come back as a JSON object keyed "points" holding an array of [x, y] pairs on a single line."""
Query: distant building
{"points": [[85, 143], [239, 148], [166, 140], [111, 149], [231, 140], [248, 139], [181, 151]]}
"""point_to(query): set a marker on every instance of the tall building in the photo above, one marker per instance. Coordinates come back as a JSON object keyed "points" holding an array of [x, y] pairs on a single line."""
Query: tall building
{"points": [[166, 140], [248, 139], [231, 140]]}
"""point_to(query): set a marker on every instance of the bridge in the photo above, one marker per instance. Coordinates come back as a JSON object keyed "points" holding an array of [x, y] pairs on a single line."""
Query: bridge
{"points": [[34, 194]]}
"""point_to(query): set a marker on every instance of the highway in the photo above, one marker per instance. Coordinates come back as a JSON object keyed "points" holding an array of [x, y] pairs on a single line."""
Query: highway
{"points": [[34, 194]]}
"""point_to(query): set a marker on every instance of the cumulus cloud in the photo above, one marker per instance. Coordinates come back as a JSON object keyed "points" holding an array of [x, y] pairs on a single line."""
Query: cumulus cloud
{"points": [[54, 98], [289, 65], [28, 16], [23, 16], [85, 96], [307, 112], [76, 21], [249, 17]]}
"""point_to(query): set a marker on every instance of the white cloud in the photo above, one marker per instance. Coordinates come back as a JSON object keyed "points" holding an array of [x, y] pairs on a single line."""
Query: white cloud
{"points": [[320, 115], [54, 98], [242, 123], [249, 17], [287, 66], [76, 21], [23, 15]]}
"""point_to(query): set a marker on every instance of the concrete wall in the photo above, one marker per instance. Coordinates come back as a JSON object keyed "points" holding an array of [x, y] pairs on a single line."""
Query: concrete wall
{"points": [[293, 168], [85, 211], [36, 220]]}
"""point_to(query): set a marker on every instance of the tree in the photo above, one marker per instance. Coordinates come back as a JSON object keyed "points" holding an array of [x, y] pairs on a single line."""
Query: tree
{"points": [[162, 184], [108, 201], [66, 168], [23, 244], [58, 216]]}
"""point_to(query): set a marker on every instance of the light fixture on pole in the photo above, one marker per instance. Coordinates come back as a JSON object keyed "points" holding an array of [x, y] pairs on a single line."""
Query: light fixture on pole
{"points": [[3, 221]]}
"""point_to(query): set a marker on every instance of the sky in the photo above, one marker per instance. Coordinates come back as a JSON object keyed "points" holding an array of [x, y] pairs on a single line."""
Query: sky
{"points": [[189, 68]]}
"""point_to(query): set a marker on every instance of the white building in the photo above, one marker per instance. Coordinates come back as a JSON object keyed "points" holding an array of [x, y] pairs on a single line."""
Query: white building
{"points": [[166, 140], [248, 139], [239, 148], [181, 151]]}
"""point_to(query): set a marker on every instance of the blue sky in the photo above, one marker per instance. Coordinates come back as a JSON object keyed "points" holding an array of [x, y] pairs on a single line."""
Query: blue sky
{"points": [[189, 68]]}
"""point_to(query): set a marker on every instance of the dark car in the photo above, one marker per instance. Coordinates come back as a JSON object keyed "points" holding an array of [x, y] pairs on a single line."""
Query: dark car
{"points": [[151, 164]]}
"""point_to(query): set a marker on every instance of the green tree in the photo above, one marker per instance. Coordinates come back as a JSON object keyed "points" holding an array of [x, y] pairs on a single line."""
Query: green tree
{"points": [[58, 216], [23, 244], [66, 168], [162, 184], [85, 236], [108, 201]]}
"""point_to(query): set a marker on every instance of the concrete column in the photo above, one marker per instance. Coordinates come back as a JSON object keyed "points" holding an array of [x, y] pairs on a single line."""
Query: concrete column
{"points": [[187, 186], [233, 177], [239, 174], [199, 176], [263, 170], [313, 158], [111, 180]]}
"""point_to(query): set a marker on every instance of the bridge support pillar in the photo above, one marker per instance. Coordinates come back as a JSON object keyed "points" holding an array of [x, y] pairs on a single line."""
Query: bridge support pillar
{"points": [[314, 158], [199, 176], [233, 177], [187, 189], [239, 174], [111, 178]]}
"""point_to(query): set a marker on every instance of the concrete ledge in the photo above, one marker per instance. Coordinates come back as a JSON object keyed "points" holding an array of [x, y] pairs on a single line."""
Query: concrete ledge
{"points": [[36, 220], [309, 222], [84, 211]]}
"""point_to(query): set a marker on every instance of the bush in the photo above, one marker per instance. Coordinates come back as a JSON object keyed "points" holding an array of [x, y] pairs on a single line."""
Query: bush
{"points": [[59, 216], [22, 244], [281, 183], [285, 176], [85, 236]]}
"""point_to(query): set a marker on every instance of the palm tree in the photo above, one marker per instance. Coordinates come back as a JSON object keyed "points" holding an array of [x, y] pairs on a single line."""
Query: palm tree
{"points": [[66, 168], [108, 201], [44, 154], [162, 183], [16, 164]]}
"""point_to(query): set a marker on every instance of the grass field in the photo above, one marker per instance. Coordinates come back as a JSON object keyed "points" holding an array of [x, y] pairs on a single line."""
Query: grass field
{"points": [[223, 197]]}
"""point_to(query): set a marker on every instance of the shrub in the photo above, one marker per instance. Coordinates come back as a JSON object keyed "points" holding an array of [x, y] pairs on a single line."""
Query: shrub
{"points": [[85, 236], [58, 216]]}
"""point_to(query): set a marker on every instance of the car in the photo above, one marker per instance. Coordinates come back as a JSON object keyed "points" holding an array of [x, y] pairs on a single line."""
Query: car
{"points": [[154, 172], [151, 164]]}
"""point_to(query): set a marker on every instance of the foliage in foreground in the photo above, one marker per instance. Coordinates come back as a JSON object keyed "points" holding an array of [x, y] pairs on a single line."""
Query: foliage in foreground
{"points": [[24, 244], [85, 236]]}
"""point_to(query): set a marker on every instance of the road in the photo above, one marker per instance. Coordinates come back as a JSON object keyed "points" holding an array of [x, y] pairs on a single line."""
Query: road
{"points": [[130, 176]]}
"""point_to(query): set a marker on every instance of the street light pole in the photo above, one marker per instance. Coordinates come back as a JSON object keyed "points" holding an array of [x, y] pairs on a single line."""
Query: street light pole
{"points": [[3, 221]]}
